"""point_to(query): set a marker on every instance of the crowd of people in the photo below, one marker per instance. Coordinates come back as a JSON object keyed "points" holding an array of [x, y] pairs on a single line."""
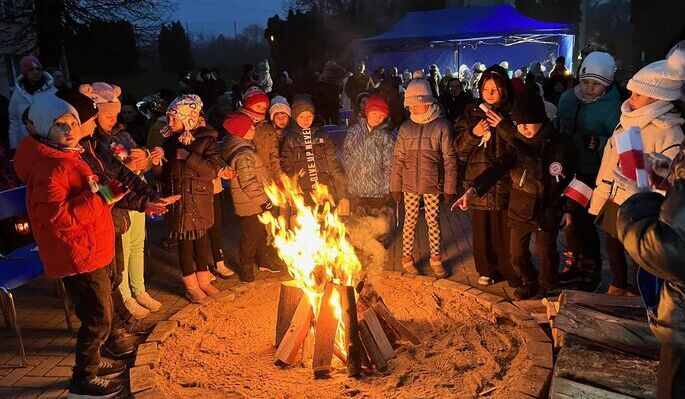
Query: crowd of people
{"points": [[95, 162]]}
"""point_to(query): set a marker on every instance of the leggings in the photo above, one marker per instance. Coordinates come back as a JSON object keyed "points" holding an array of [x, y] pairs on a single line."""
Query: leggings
{"points": [[193, 250], [411, 216]]}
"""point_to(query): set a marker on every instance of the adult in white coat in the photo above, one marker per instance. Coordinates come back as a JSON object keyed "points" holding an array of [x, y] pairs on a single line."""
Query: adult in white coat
{"points": [[32, 82]]}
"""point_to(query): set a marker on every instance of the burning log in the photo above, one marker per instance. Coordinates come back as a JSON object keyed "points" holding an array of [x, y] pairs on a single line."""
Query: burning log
{"points": [[326, 327], [379, 336], [297, 332], [353, 344], [290, 297]]}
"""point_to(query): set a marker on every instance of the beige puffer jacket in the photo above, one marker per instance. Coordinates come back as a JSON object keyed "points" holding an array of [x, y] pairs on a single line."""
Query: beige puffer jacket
{"points": [[661, 131]]}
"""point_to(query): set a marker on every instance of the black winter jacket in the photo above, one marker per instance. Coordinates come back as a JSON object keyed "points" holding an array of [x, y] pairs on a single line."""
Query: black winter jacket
{"points": [[478, 157], [652, 229], [536, 193], [319, 156], [192, 178], [107, 167]]}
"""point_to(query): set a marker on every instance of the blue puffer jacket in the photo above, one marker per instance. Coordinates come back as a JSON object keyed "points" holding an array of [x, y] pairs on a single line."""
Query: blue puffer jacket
{"points": [[578, 120], [367, 157]]}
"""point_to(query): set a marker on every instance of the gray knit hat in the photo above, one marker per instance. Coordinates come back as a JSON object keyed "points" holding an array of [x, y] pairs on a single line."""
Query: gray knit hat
{"points": [[418, 92], [279, 104], [45, 110], [302, 103]]}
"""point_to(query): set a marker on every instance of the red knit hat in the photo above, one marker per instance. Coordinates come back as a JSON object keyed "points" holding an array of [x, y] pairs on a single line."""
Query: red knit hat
{"points": [[29, 62], [237, 124], [376, 102], [254, 96]]}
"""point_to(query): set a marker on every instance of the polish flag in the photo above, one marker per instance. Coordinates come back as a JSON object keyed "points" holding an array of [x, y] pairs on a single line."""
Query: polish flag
{"points": [[579, 192], [631, 156]]}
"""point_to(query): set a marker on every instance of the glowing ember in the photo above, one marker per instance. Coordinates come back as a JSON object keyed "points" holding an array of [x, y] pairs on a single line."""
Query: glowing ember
{"points": [[313, 245]]}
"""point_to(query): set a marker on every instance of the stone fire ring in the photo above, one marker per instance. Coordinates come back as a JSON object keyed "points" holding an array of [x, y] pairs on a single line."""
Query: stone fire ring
{"points": [[533, 384]]}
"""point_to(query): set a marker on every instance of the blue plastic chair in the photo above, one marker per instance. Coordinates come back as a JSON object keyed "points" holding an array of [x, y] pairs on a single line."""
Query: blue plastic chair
{"points": [[19, 267]]}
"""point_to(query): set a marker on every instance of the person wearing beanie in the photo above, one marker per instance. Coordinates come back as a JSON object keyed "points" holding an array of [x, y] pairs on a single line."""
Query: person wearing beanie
{"points": [[269, 135], [141, 197], [77, 244], [247, 190], [193, 162], [111, 134], [587, 115], [367, 156], [424, 165], [255, 104], [650, 108], [308, 149], [454, 99], [538, 163], [32, 83], [479, 142]]}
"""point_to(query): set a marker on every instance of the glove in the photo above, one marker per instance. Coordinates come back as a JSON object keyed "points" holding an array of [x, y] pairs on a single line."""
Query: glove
{"points": [[396, 196], [448, 198], [112, 192], [266, 207], [591, 142]]}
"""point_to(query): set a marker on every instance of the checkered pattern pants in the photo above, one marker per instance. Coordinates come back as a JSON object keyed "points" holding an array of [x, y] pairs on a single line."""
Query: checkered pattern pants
{"points": [[411, 215]]}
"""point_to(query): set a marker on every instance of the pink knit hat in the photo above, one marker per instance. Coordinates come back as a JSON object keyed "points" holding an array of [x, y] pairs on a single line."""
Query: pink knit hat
{"points": [[29, 62], [105, 96]]}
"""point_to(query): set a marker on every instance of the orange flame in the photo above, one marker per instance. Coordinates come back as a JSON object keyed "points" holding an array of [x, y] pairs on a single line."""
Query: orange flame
{"points": [[313, 244]]}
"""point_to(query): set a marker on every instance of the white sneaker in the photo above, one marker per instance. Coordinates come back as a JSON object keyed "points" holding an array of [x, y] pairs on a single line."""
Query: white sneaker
{"points": [[222, 270], [138, 312], [148, 302], [485, 280]]}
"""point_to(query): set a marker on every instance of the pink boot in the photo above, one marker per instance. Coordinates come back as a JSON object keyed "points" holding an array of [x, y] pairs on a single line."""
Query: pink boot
{"points": [[193, 291], [203, 279]]}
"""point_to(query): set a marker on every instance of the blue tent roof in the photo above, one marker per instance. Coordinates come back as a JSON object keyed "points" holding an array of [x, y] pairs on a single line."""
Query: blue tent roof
{"points": [[463, 24]]}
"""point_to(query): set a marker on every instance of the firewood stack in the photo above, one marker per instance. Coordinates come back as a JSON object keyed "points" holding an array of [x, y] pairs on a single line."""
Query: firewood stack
{"points": [[371, 331]]}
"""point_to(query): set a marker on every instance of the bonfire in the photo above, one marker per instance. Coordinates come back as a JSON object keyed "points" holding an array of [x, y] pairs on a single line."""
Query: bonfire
{"points": [[329, 308]]}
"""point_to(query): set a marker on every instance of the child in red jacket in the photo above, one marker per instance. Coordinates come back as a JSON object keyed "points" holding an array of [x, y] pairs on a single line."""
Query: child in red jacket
{"points": [[72, 223]]}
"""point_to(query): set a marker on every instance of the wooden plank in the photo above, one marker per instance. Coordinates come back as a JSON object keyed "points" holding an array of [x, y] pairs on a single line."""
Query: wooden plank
{"points": [[288, 300], [372, 350], [352, 342], [614, 372], [625, 335], [384, 313], [567, 389], [297, 331], [326, 327], [371, 320], [601, 300]]}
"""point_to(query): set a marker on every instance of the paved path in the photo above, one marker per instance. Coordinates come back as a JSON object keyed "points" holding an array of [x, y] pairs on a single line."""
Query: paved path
{"points": [[50, 347]]}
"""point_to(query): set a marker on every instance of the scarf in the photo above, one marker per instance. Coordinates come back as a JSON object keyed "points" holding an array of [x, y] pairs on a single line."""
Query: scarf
{"points": [[643, 116], [427, 117], [583, 99]]}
